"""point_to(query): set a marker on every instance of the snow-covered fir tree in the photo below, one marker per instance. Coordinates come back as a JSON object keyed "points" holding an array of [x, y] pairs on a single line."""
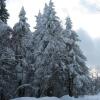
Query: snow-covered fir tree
{"points": [[21, 44], [3, 11], [7, 63], [49, 50], [77, 69]]}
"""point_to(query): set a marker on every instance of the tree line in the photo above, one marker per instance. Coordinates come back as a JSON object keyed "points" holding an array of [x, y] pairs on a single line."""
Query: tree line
{"points": [[46, 62]]}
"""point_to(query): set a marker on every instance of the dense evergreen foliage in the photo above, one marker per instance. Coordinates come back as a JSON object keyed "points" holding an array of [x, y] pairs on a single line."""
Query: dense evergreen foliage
{"points": [[3, 11], [47, 62]]}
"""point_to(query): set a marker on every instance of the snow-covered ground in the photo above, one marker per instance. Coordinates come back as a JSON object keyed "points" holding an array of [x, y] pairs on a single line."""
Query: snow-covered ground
{"points": [[95, 97]]}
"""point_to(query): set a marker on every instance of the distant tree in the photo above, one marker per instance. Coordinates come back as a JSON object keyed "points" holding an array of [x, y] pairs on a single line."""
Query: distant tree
{"points": [[96, 81], [3, 11]]}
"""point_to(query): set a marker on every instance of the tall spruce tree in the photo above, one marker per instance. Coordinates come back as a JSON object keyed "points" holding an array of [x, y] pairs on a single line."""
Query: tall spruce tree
{"points": [[3, 11], [22, 42], [49, 49], [79, 80], [7, 63]]}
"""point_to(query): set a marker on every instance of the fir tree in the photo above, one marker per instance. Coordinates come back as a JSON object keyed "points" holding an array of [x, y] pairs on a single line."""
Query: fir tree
{"points": [[22, 42], [22, 35], [3, 11], [7, 62], [76, 65], [48, 52]]}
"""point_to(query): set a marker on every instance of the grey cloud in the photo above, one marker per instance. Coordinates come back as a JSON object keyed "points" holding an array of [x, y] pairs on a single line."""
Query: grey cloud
{"points": [[92, 8], [90, 47]]}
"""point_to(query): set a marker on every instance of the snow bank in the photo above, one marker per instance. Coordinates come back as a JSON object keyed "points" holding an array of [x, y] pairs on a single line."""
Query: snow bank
{"points": [[31, 98], [95, 97]]}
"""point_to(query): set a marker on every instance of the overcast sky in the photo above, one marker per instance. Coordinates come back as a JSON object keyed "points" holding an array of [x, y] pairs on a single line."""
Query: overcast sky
{"points": [[85, 15]]}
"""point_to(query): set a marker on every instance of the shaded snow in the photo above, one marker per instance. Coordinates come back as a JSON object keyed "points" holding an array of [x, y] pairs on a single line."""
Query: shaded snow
{"points": [[95, 97], [31, 98]]}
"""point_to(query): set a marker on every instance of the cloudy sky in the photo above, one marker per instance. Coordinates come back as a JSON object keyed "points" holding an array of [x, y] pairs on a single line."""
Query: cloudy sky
{"points": [[85, 15]]}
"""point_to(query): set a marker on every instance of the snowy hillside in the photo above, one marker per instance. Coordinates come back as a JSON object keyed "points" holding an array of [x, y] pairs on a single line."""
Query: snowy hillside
{"points": [[95, 97]]}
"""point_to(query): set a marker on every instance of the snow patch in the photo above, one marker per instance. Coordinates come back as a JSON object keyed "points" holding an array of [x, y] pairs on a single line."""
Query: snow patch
{"points": [[66, 97]]}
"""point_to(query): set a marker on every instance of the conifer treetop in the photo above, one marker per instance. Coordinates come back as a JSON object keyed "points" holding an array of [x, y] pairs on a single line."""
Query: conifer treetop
{"points": [[38, 20], [51, 3], [49, 9], [39, 15], [22, 26], [22, 15], [68, 23]]}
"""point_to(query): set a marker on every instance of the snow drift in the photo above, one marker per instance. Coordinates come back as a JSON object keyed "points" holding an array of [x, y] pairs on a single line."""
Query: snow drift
{"points": [[95, 97]]}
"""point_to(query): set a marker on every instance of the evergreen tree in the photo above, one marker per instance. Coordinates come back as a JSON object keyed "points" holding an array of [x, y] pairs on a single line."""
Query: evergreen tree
{"points": [[48, 51], [7, 63], [78, 71], [22, 42], [3, 11]]}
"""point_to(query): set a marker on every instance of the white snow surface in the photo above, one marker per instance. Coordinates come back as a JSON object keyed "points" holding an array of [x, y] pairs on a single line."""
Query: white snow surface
{"points": [[94, 97]]}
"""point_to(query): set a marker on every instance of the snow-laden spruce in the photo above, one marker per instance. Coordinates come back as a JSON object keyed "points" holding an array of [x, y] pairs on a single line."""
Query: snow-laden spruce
{"points": [[77, 64], [7, 62], [3, 11], [49, 50], [22, 47]]}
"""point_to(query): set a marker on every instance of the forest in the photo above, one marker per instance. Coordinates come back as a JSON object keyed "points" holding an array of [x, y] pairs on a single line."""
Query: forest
{"points": [[46, 62]]}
